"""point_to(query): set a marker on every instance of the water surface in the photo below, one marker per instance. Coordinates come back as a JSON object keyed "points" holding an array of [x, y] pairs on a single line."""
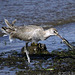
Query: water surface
{"points": [[46, 13], [36, 12]]}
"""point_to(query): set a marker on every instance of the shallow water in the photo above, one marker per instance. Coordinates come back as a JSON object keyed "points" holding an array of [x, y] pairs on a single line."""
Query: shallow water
{"points": [[36, 12], [46, 13]]}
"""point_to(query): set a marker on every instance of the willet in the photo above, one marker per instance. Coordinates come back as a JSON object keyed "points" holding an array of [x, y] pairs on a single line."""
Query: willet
{"points": [[30, 33]]}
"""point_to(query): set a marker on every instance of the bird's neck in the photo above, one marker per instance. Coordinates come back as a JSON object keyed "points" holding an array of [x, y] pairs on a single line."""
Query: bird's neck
{"points": [[46, 33]]}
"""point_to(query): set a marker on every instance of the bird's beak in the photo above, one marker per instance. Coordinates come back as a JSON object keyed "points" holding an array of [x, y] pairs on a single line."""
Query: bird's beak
{"points": [[60, 36], [66, 42]]}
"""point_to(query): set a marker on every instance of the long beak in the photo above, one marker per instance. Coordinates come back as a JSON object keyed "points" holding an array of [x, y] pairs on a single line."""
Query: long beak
{"points": [[60, 36], [66, 42]]}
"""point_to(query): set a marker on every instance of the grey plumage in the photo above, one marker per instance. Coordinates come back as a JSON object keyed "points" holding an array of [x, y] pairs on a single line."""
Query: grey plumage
{"points": [[30, 33]]}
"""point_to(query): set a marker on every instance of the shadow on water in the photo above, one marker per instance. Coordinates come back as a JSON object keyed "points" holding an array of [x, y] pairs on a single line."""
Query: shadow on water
{"points": [[46, 13]]}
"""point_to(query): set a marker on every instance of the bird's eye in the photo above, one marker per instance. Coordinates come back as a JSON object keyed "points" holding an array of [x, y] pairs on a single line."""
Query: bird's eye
{"points": [[55, 31]]}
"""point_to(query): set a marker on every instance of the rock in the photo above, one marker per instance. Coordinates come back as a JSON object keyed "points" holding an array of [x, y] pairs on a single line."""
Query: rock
{"points": [[36, 49]]}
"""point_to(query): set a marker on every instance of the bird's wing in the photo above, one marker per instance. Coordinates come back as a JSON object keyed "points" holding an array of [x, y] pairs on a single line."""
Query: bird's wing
{"points": [[30, 32]]}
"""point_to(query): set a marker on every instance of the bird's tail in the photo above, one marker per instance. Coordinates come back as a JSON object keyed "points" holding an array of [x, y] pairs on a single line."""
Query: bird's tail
{"points": [[9, 30], [10, 25], [6, 30]]}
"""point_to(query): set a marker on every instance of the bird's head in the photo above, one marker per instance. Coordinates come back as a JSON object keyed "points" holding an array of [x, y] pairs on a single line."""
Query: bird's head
{"points": [[54, 31]]}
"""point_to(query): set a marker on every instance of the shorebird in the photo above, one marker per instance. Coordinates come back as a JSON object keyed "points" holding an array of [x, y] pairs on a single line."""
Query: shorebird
{"points": [[30, 33]]}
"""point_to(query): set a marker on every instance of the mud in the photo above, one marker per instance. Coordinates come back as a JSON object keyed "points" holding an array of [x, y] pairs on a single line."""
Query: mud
{"points": [[49, 63]]}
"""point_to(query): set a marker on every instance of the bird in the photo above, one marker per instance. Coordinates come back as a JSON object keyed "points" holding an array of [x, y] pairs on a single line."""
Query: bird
{"points": [[28, 33]]}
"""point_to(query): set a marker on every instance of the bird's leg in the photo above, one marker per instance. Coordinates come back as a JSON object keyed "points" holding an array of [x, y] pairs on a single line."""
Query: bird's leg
{"points": [[27, 52]]}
